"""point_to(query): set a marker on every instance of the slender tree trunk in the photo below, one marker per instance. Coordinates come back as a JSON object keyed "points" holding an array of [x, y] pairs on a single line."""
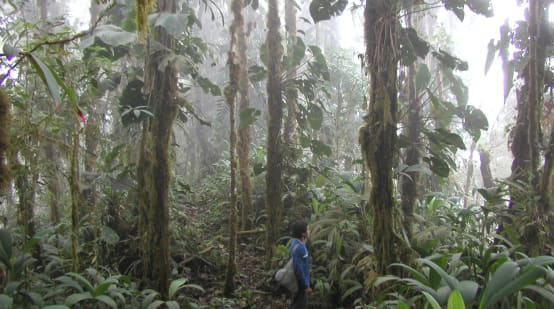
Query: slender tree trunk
{"points": [[274, 156], [409, 185], [486, 174], [527, 136], [289, 135], [235, 68], [154, 164], [5, 117], [378, 137], [75, 202], [53, 183], [469, 174], [245, 133]]}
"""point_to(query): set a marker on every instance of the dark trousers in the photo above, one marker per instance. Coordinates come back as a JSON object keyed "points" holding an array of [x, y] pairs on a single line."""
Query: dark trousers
{"points": [[300, 300]]}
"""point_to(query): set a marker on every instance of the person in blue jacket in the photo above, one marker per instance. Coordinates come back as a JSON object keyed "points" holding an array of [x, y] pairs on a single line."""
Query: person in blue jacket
{"points": [[301, 261]]}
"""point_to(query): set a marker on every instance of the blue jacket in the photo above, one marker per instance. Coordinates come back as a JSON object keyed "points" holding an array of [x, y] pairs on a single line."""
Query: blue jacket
{"points": [[301, 262]]}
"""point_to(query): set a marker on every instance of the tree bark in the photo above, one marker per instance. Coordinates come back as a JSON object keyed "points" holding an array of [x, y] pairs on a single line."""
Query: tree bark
{"points": [[245, 133], [274, 204], [378, 137], [230, 95], [486, 174], [75, 202], [527, 132], [154, 164]]}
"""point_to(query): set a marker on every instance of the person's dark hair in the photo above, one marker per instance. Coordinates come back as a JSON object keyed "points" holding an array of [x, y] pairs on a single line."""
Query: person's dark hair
{"points": [[298, 228]]}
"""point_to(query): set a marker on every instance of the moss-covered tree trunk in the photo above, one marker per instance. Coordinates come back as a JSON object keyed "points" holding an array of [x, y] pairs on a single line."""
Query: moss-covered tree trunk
{"points": [[289, 134], [527, 132], [486, 174], [230, 95], [154, 168], [53, 183], [378, 138], [245, 132], [75, 201], [5, 173], [409, 183], [274, 157]]}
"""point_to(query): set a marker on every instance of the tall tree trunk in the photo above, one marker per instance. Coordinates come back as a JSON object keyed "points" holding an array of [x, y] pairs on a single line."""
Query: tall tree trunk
{"points": [[75, 202], [235, 68], [469, 174], [527, 135], [53, 183], [274, 156], [378, 137], [486, 174], [291, 97], [409, 185], [5, 117], [245, 133], [154, 162]]}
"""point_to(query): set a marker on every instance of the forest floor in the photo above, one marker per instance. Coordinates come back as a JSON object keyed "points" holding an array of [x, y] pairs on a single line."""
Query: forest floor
{"points": [[254, 288]]}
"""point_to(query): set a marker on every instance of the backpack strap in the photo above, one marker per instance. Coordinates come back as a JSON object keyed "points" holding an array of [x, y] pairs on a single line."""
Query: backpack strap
{"points": [[294, 249]]}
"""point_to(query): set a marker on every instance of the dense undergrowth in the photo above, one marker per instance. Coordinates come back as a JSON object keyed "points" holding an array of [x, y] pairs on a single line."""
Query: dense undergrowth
{"points": [[461, 262]]}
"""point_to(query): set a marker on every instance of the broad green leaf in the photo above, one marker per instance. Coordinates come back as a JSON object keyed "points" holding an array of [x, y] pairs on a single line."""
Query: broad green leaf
{"points": [[315, 116], [326, 9], [76, 298], [451, 281], [102, 288], [54, 82], [543, 292], [319, 65], [6, 301], [455, 301], [82, 281], [149, 299], [423, 77], [468, 289], [456, 6], [451, 138], [483, 7], [475, 121], [46, 75], [527, 277], [297, 51], [319, 149], [402, 305], [69, 282], [107, 300], [175, 286], [442, 294], [438, 166], [110, 35], [55, 307], [109, 235], [412, 271], [174, 24], [503, 274], [155, 304], [172, 305], [431, 301], [10, 52], [6, 244], [382, 279], [248, 117], [351, 290]]}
